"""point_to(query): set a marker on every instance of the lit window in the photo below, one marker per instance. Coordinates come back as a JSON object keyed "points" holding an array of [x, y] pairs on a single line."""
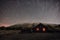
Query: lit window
{"points": [[44, 29], [37, 29]]}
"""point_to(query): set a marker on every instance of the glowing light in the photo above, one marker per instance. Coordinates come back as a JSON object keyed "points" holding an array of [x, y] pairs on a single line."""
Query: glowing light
{"points": [[6, 25], [44, 29], [37, 29]]}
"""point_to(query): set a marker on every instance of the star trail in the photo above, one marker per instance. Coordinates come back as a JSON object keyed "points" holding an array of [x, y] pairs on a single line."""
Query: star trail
{"points": [[29, 11]]}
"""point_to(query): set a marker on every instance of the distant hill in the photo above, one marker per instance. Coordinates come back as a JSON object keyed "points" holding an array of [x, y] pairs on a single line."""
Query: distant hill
{"points": [[30, 25]]}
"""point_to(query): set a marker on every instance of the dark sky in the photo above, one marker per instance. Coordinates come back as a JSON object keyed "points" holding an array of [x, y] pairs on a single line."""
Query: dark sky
{"points": [[29, 11]]}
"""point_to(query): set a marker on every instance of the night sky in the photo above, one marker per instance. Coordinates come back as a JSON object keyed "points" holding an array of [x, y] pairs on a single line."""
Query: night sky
{"points": [[29, 11]]}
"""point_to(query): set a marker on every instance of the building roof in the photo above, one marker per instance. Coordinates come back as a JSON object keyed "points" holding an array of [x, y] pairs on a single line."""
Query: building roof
{"points": [[40, 25]]}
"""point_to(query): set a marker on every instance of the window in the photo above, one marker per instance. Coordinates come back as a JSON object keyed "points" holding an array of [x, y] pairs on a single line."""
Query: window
{"points": [[44, 29], [37, 29]]}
